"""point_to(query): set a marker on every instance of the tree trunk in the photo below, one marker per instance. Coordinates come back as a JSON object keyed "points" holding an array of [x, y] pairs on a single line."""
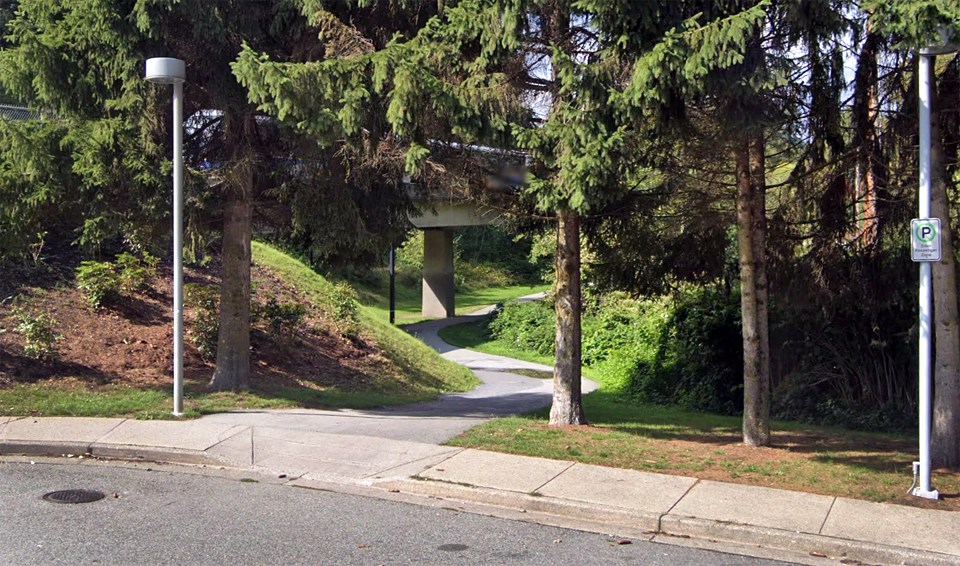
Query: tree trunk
{"points": [[567, 408], [945, 443], [751, 225], [868, 156], [233, 341]]}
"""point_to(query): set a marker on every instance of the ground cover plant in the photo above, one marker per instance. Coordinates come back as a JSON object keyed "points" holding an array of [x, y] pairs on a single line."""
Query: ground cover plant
{"points": [[311, 348]]}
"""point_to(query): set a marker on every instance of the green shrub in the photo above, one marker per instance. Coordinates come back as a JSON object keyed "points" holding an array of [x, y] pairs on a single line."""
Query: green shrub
{"points": [[618, 322], [699, 355], [469, 276], [281, 318], [104, 282], [501, 252], [99, 282], [527, 325], [37, 329], [409, 261], [346, 308], [205, 327], [136, 273]]}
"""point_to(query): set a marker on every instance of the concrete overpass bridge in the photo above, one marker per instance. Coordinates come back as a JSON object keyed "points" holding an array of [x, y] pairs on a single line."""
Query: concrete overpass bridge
{"points": [[439, 220], [500, 173]]}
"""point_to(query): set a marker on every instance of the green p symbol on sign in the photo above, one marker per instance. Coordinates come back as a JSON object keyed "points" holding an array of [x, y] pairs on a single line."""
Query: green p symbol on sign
{"points": [[925, 232]]}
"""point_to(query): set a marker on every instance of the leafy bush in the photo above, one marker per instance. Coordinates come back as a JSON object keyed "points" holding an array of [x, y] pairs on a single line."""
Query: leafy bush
{"points": [[617, 321], [37, 329], [346, 308], [99, 282], [469, 276], [205, 327], [136, 273], [408, 261], [104, 282], [281, 318], [699, 355], [502, 251], [802, 399], [527, 325]]}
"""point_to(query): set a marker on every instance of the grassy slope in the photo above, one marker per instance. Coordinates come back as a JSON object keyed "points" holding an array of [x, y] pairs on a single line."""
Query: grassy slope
{"points": [[418, 373], [424, 368]]}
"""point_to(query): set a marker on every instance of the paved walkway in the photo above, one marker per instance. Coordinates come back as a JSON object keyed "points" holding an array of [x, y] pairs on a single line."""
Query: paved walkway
{"points": [[800, 527], [502, 393]]}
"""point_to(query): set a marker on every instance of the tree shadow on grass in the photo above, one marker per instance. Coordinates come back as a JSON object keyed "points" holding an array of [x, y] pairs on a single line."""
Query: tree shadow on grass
{"points": [[868, 451]]}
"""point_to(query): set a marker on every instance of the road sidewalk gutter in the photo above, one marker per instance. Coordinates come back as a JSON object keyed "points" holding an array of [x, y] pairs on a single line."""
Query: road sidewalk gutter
{"points": [[639, 505], [751, 540], [689, 511]]}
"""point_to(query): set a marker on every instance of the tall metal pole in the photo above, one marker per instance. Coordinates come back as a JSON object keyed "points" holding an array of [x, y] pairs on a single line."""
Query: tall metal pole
{"points": [[171, 71], [393, 276], [924, 490], [178, 248]]}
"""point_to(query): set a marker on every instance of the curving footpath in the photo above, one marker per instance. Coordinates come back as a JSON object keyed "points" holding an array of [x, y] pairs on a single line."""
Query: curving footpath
{"points": [[391, 454]]}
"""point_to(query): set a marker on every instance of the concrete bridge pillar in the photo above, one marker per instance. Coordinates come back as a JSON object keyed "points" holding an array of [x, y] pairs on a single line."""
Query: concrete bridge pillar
{"points": [[438, 291]]}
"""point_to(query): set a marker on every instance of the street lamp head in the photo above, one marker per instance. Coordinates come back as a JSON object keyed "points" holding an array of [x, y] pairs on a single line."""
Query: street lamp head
{"points": [[165, 70], [946, 43]]}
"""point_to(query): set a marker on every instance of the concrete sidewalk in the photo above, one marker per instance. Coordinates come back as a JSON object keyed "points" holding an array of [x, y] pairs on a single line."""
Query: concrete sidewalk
{"points": [[766, 522]]}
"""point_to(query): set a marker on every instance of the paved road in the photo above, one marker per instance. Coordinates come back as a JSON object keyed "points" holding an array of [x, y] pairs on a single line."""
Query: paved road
{"points": [[164, 517], [502, 393]]}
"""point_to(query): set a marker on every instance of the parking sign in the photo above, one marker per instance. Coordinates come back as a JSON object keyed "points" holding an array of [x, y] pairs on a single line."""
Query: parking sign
{"points": [[925, 239]]}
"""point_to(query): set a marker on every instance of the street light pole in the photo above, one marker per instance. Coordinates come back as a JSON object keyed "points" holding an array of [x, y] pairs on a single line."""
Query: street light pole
{"points": [[924, 398], [166, 70], [925, 68]]}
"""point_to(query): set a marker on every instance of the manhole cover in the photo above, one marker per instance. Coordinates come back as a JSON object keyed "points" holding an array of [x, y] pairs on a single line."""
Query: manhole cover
{"points": [[74, 496]]}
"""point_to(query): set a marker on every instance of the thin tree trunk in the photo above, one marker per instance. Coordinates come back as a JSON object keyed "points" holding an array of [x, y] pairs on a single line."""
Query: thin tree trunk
{"points": [[567, 408], [867, 108], [233, 341], [758, 186], [756, 427], [945, 443]]}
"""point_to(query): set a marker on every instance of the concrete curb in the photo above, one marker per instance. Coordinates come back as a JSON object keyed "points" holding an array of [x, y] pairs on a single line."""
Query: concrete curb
{"points": [[110, 451], [866, 552], [44, 448], [598, 514], [808, 544]]}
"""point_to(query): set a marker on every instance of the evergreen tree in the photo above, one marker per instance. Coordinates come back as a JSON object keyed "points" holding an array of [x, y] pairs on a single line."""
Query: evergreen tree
{"points": [[467, 68], [75, 63]]}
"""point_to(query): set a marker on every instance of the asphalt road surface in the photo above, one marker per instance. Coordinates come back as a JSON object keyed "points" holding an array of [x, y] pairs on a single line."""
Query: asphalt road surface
{"points": [[172, 517]]}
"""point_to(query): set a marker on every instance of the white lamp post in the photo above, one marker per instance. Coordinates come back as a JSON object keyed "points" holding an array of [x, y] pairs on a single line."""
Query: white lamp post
{"points": [[927, 59], [166, 70]]}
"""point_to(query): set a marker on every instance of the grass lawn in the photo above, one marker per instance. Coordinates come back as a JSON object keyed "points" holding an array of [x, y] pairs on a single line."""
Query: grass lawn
{"points": [[73, 400], [409, 301], [668, 440], [376, 298], [627, 434]]}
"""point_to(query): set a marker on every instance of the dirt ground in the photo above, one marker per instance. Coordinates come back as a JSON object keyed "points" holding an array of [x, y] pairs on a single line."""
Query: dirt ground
{"points": [[130, 341]]}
